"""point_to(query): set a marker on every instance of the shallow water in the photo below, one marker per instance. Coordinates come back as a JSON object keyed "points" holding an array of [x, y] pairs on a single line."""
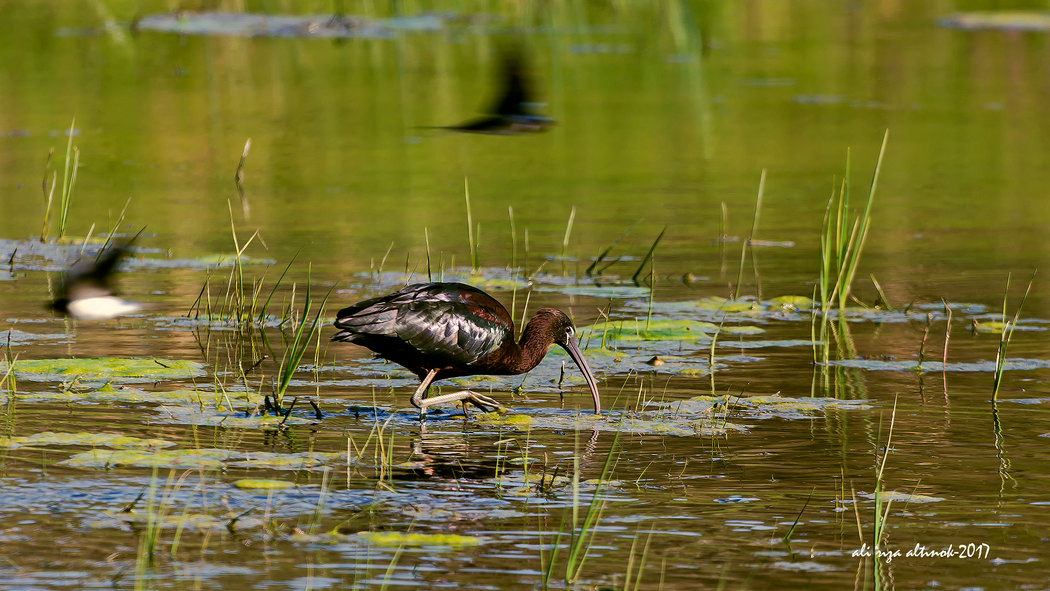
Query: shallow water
{"points": [[665, 113]]}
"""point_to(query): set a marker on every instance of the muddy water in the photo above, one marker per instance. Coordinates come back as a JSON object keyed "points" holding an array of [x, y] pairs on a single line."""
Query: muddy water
{"points": [[700, 467]]}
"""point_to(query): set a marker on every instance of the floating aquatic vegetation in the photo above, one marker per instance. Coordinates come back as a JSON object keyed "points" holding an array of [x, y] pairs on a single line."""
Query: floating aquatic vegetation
{"points": [[595, 289], [900, 497], [530, 484], [218, 321], [998, 326], [18, 337], [913, 365], [188, 521], [223, 418], [390, 539], [1010, 20], [642, 423], [290, 461], [178, 458], [196, 398], [323, 26], [34, 255], [504, 420], [792, 302], [93, 439], [210, 261], [720, 310], [200, 459], [106, 368], [262, 484], [762, 407], [623, 332], [736, 499], [486, 278]]}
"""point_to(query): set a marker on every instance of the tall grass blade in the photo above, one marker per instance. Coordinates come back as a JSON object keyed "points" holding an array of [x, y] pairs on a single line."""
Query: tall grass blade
{"points": [[49, 193], [850, 265], [266, 304], [568, 232], [69, 180], [581, 540], [238, 178], [747, 243], [302, 336], [470, 228], [1006, 335], [590, 270], [648, 256]]}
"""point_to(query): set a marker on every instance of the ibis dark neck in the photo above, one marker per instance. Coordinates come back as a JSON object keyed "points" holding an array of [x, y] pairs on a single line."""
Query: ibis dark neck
{"points": [[536, 338]]}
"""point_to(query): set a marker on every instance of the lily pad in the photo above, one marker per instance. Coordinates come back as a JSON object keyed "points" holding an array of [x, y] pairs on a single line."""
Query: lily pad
{"points": [[913, 365]]}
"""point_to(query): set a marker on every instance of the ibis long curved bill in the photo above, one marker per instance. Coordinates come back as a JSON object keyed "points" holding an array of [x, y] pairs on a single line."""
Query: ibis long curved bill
{"points": [[573, 350]]}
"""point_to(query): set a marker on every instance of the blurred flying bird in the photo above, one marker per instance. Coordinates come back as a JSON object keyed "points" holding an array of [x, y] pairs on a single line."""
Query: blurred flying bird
{"points": [[514, 111], [86, 292]]}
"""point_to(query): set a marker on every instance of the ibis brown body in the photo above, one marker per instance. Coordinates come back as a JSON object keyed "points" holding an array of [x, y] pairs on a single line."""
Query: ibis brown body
{"points": [[447, 330]]}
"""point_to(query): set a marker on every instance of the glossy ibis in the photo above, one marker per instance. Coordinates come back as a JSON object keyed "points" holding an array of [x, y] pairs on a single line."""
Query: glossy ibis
{"points": [[86, 292], [447, 330], [514, 111]]}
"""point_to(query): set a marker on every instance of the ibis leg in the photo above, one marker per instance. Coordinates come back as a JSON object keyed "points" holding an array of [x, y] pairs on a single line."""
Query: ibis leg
{"points": [[485, 403], [420, 400]]}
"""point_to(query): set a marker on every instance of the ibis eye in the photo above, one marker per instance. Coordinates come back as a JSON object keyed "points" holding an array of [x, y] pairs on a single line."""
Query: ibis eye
{"points": [[570, 332]]}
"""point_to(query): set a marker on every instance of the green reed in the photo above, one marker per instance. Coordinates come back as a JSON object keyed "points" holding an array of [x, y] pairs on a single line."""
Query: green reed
{"points": [[472, 239], [581, 533], [303, 334], [735, 293], [841, 245], [648, 257], [69, 180], [842, 240], [881, 514], [593, 268], [1005, 336]]}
